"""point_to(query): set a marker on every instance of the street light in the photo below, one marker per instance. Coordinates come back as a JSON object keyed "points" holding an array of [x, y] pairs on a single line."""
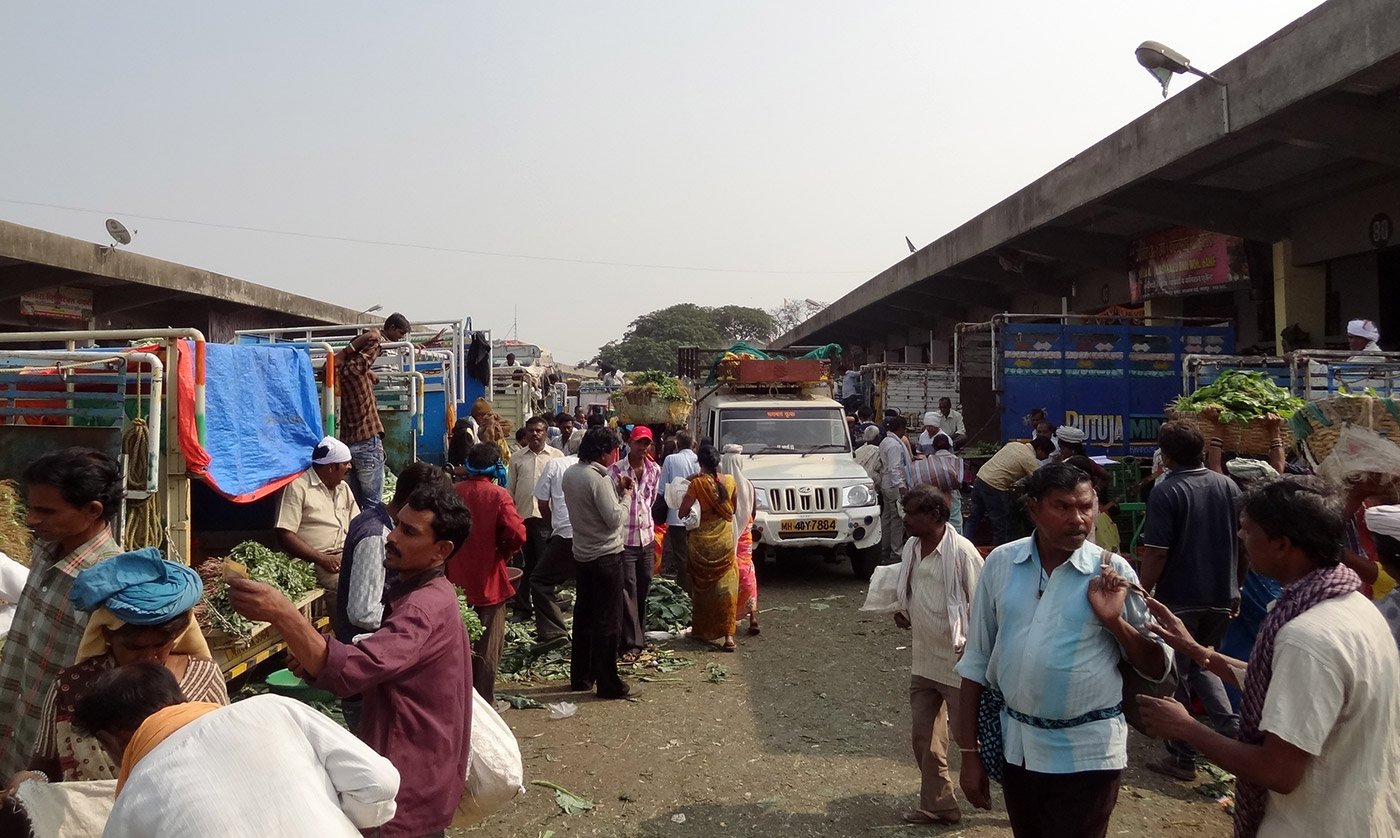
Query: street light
{"points": [[371, 310], [1163, 62]]}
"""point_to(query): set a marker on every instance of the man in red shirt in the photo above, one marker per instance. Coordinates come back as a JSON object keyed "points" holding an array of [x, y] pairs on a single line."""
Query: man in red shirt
{"points": [[479, 565], [414, 672]]}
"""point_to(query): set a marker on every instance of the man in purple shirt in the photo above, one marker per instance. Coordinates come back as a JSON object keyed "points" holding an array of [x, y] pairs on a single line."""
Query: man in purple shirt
{"points": [[414, 672]]}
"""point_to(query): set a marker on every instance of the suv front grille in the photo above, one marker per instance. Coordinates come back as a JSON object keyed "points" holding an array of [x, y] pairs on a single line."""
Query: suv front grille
{"points": [[812, 500]]}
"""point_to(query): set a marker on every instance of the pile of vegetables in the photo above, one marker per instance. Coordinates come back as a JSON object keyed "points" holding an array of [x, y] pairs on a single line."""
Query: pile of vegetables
{"points": [[470, 619], [663, 386], [668, 607], [292, 577], [1241, 396]]}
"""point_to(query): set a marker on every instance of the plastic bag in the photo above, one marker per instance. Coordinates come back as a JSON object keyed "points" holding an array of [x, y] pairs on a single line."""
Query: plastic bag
{"points": [[883, 596], [495, 772], [692, 521], [1359, 451]]}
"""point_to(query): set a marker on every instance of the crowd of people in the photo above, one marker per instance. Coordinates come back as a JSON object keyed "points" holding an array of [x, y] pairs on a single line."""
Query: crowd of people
{"points": [[1265, 606]]}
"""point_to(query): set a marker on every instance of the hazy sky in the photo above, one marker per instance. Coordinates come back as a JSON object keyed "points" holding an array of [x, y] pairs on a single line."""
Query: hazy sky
{"points": [[793, 144]]}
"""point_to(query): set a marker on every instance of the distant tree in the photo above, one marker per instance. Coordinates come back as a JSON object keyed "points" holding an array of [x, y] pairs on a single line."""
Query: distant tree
{"points": [[651, 340], [793, 313]]}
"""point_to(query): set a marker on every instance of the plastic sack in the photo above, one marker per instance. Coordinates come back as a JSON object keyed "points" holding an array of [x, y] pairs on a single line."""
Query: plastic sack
{"points": [[67, 810], [1359, 451], [495, 772], [883, 596], [692, 521]]}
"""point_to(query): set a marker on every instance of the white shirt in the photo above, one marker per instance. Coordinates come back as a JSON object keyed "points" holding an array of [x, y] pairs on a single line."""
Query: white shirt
{"points": [[1334, 695], [550, 487], [894, 463], [13, 575], [266, 767], [952, 424]]}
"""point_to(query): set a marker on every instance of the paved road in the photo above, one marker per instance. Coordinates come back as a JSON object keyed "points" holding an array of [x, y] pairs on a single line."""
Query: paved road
{"points": [[805, 733]]}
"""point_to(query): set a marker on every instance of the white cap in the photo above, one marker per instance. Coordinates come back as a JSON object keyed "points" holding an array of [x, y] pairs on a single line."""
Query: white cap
{"points": [[1070, 434], [1363, 329], [932, 419], [330, 451]]}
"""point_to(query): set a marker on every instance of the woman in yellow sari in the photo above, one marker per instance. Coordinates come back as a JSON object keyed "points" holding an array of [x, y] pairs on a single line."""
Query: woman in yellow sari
{"points": [[712, 565]]}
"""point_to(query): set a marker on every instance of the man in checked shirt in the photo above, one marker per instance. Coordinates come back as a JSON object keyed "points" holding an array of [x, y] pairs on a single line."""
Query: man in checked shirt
{"points": [[637, 539], [71, 495], [360, 427]]}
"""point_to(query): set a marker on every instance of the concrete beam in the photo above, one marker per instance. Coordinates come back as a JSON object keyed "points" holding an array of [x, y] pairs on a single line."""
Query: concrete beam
{"points": [[41, 247], [1091, 250], [1355, 131], [1295, 65], [109, 301], [1217, 210]]}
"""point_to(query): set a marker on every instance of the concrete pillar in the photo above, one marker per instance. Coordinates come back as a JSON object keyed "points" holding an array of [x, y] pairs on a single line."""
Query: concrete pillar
{"points": [[1162, 307], [1300, 297]]}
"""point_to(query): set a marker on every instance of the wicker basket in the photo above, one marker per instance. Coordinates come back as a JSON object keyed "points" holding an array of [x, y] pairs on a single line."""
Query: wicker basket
{"points": [[639, 406], [1252, 437], [1320, 423]]}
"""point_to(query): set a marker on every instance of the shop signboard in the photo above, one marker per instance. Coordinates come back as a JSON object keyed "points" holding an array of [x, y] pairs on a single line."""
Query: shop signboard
{"points": [[61, 303], [1175, 263]]}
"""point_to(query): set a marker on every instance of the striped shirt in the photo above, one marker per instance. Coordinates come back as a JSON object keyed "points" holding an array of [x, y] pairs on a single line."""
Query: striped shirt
{"points": [[640, 529], [43, 641], [359, 411], [1051, 657]]}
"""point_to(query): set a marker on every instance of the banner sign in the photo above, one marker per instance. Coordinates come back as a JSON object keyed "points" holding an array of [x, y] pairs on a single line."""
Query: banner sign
{"points": [[1184, 261], [62, 303]]}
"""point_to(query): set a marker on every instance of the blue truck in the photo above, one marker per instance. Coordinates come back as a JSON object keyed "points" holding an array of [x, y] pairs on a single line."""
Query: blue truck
{"points": [[1111, 377]]}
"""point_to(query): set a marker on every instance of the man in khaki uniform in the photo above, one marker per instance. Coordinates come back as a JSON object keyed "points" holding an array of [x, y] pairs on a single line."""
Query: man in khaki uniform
{"points": [[315, 514]]}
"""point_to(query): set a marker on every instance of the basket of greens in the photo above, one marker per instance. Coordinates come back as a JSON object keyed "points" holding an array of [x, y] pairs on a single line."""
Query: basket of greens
{"points": [[652, 398], [1245, 410]]}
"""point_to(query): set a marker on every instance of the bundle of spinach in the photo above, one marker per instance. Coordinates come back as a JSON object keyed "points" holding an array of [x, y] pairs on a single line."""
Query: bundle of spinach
{"points": [[470, 619], [1241, 396], [668, 606], [293, 577]]}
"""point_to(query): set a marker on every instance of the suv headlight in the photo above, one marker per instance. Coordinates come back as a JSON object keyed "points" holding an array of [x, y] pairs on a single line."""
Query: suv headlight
{"points": [[860, 495]]}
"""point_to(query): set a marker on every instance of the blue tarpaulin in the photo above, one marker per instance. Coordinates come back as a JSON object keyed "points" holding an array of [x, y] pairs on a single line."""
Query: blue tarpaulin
{"points": [[262, 417]]}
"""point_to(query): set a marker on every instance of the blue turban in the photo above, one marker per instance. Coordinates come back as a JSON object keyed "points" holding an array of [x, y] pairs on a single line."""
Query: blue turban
{"points": [[139, 587]]}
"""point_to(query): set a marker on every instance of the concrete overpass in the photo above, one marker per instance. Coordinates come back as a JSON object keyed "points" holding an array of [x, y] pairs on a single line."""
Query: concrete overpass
{"points": [[128, 290], [1298, 153]]}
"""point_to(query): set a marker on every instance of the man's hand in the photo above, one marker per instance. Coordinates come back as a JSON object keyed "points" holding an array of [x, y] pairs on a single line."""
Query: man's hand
{"points": [[329, 562], [625, 483], [257, 601], [295, 666], [1165, 718], [1171, 629], [901, 619], [973, 779], [1107, 594]]}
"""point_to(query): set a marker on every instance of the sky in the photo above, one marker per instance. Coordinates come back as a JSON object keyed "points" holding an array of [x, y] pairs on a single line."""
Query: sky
{"points": [[562, 168]]}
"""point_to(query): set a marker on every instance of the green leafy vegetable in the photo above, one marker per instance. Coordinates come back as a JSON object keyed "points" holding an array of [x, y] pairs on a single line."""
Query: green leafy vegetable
{"points": [[664, 385], [470, 619], [568, 802], [668, 606], [1241, 396]]}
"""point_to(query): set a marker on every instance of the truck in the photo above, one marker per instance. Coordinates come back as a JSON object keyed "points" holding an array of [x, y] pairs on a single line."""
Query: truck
{"points": [[1111, 377], [813, 496], [908, 389]]}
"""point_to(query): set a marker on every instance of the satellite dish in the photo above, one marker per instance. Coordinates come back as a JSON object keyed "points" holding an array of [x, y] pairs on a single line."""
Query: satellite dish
{"points": [[118, 231]]}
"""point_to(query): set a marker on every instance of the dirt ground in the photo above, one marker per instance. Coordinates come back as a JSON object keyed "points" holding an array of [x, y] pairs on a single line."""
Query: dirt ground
{"points": [[806, 733]]}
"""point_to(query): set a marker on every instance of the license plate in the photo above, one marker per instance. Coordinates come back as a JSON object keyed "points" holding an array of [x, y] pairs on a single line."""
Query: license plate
{"points": [[810, 525]]}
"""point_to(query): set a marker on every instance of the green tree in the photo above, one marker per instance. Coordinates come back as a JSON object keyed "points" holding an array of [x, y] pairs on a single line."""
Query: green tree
{"points": [[651, 340]]}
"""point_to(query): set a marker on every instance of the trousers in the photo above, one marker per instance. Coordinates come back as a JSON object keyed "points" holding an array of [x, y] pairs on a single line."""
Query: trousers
{"points": [[1041, 805], [636, 587], [597, 626], [991, 503], [927, 700], [366, 477], [891, 526], [556, 567], [1208, 628]]}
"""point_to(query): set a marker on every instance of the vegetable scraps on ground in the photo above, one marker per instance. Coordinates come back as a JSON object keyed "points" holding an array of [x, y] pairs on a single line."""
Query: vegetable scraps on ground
{"points": [[1241, 396]]}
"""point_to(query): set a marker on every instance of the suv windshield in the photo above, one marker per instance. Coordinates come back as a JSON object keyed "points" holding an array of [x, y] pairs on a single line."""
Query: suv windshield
{"points": [[784, 430]]}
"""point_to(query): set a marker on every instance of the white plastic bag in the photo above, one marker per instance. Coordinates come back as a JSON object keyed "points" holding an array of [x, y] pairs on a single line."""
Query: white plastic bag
{"points": [[495, 772], [67, 810], [1359, 451], [692, 521], [883, 596]]}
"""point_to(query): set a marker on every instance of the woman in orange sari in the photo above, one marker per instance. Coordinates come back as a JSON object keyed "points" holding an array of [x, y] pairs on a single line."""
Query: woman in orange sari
{"points": [[712, 564]]}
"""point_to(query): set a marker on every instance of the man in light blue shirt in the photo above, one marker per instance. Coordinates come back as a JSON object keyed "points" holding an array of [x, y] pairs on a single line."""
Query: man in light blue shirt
{"points": [[675, 551], [1050, 624]]}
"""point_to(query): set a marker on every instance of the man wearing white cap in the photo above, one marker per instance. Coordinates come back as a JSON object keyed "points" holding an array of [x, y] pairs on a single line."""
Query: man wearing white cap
{"points": [[314, 515], [932, 427], [1362, 336]]}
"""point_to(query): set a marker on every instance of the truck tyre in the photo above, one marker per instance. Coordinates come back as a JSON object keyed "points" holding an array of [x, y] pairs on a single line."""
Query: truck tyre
{"points": [[864, 561]]}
